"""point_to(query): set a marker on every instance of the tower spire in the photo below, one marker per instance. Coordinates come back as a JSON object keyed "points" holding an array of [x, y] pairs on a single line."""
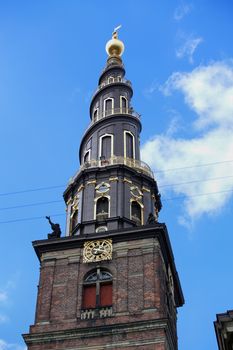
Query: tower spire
{"points": [[112, 281]]}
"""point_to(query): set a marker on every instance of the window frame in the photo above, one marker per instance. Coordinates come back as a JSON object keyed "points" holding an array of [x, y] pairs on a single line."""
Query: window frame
{"points": [[112, 109], [111, 79], [101, 144], [99, 229], [142, 210], [97, 284], [95, 204], [97, 116], [89, 156], [122, 97], [125, 145]]}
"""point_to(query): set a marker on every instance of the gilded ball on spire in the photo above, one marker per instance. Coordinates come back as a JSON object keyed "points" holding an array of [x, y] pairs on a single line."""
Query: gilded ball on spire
{"points": [[115, 47]]}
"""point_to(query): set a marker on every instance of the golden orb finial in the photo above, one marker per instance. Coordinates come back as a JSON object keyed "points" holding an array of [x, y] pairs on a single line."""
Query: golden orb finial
{"points": [[115, 47]]}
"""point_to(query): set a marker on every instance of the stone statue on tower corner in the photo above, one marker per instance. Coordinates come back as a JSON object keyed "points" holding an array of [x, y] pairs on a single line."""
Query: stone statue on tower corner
{"points": [[56, 233]]}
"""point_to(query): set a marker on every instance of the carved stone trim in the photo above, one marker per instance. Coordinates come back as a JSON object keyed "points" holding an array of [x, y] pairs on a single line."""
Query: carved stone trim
{"points": [[113, 178], [80, 187], [145, 189], [127, 180], [91, 182], [88, 314]]}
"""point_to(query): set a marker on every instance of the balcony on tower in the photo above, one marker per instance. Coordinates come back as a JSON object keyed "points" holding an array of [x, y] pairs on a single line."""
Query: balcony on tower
{"points": [[138, 165], [113, 111], [111, 81]]}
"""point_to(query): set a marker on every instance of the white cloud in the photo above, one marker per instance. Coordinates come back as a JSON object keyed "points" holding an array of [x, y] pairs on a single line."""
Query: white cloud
{"points": [[188, 48], [151, 89], [3, 318], [181, 11], [8, 346], [208, 91], [3, 296], [175, 123]]}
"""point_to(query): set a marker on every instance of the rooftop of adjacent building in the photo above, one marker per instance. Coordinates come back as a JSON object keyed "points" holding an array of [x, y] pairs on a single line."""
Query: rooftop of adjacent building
{"points": [[224, 330]]}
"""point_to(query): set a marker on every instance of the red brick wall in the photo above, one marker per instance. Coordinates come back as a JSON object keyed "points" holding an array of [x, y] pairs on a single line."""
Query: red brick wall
{"points": [[139, 294]]}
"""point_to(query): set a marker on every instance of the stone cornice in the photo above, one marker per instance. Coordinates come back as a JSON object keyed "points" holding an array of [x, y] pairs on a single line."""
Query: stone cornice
{"points": [[98, 331]]}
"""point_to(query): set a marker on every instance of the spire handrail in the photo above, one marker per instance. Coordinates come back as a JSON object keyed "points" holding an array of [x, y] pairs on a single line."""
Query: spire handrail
{"points": [[113, 81], [137, 165], [123, 110], [114, 111]]}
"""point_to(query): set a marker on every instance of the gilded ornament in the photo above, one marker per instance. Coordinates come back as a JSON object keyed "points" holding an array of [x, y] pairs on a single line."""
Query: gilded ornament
{"points": [[99, 250]]}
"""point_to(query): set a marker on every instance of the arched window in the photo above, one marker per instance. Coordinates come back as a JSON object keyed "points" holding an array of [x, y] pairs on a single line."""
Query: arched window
{"points": [[74, 217], [101, 229], [102, 208], [95, 115], [74, 220], [136, 212], [110, 80], [86, 157], [97, 289], [106, 147], [123, 104], [129, 145], [108, 107]]}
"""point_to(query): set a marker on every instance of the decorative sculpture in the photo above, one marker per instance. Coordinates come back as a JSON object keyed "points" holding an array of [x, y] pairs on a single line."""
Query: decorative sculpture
{"points": [[56, 233], [151, 219]]}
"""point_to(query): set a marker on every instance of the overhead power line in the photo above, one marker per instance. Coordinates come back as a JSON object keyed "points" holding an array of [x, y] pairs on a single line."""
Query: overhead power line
{"points": [[60, 201], [30, 205], [159, 171], [163, 199], [29, 219], [194, 166], [196, 181], [31, 190], [196, 195]]}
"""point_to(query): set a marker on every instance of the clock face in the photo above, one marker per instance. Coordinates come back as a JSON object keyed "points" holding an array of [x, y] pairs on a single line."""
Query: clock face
{"points": [[97, 250]]}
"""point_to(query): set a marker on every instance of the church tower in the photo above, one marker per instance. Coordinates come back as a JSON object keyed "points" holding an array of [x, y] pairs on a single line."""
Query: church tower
{"points": [[111, 282]]}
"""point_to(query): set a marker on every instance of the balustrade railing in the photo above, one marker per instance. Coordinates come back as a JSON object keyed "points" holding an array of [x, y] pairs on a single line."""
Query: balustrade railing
{"points": [[114, 111], [138, 165], [111, 111], [110, 81], [88, 314]]}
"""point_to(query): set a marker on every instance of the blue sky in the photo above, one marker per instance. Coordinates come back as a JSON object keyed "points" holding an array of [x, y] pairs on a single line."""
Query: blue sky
{"points": [[179, 57]]}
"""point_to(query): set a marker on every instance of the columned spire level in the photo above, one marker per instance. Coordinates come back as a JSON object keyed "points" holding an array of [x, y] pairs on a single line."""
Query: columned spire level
{"points": [[110, 158], [111, 282]]}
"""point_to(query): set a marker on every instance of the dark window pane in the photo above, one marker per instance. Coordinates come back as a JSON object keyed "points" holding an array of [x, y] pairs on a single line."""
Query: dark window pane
{"points": [[104, 275], [95, 115], [129, 146], [102, 208], [75, 219], [136, 212], [92, 277], [108, 106], [86, 157], [123, 104], [106, 147]]}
